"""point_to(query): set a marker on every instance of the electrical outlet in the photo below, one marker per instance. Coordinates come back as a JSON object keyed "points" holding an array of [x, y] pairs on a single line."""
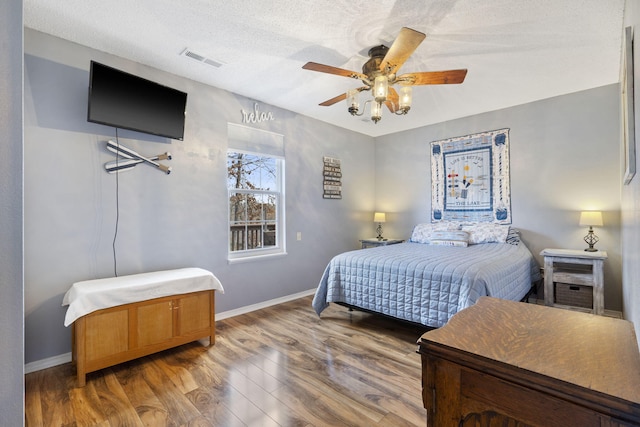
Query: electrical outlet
{"points": [[299, 235]]}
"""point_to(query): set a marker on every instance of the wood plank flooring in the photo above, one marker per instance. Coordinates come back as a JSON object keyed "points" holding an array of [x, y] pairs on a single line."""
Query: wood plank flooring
{"points": [[280, 366]]}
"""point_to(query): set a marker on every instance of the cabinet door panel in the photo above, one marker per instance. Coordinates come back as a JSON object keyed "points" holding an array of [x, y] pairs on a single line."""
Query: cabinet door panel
{"points": [[155, 323], [481, 393], [194, 313], [106, 334]]}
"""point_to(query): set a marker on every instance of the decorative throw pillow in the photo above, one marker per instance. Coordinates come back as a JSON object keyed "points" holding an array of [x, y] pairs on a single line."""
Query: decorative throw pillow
{"points": [[450, 238], [486, 232], [513, 237], [422, 233]]}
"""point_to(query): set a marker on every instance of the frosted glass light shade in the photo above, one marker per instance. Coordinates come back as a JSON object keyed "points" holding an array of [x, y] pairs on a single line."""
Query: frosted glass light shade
{"points": [[376, 111], [405, 98], [591, 218], [352, 100], [379, 217], [380, 88]]}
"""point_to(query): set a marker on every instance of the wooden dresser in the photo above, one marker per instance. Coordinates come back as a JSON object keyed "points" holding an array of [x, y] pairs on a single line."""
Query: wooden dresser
{"points": [[514, 364]]}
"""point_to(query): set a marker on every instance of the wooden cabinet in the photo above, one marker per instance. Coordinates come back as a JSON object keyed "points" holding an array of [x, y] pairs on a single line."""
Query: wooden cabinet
{"points": [[514, 364], [118, 334]]}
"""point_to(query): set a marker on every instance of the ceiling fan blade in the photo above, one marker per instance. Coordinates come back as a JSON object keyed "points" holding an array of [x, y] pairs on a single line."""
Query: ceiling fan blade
{"points": [[335, 100], [341, 97], [401, 49], [393, 100], [434, 77], [314, 66]]}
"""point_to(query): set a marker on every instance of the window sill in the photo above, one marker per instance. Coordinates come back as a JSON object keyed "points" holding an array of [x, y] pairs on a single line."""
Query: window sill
{"points": [[252, 258]]}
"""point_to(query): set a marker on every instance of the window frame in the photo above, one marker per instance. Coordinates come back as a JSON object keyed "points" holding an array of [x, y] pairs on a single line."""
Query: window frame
{"points": [[279, 248]]}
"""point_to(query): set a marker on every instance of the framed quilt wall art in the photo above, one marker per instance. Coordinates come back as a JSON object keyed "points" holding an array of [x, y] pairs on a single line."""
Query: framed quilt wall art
{"points": [[470, 178]]}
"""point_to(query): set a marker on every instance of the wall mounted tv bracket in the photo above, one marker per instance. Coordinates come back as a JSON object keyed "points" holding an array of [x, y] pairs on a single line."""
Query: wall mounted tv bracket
{"points": [[131, 158]]}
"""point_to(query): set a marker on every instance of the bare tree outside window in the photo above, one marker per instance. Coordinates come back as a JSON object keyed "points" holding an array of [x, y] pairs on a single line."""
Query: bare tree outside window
{"points": [[253, 182]]}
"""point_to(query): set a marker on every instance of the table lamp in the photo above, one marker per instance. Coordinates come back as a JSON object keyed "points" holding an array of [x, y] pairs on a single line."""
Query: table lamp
{"points": [[591, 218], [379, 217]]}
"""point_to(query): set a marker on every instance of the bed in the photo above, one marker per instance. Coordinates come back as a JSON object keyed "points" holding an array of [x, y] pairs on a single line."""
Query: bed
{"points": [[433, 276]]}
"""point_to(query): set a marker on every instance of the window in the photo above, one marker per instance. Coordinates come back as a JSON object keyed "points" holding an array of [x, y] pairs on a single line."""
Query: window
{"points": [[255, 186]]}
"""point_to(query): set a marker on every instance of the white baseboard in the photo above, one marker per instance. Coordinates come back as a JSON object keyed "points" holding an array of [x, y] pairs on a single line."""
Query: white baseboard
{"points": [[61, 359], [264, 304], [49, 362]]}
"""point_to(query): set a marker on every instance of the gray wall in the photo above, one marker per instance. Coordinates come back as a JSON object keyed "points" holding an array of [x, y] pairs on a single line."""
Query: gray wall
{"points": [[11, 253], [564, 158], [631, 198], [165, 221]]}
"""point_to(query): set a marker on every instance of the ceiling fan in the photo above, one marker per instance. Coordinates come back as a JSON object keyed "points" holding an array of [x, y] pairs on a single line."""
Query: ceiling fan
{"points": [[380, 74]]}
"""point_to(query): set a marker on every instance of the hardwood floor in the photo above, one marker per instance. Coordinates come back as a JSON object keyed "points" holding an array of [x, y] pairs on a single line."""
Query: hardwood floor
{"points": [[280, 366]]}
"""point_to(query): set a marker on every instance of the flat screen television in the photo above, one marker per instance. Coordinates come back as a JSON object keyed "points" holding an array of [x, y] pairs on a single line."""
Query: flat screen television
{"points": [[127, 101]]}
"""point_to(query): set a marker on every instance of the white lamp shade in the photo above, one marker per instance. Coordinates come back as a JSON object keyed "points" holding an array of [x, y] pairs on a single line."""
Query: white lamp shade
{"points": [[591, 218], [379, 217]]}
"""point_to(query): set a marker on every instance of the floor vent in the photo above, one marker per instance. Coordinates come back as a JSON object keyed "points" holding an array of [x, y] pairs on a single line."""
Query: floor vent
{"points": [[201, 58]]}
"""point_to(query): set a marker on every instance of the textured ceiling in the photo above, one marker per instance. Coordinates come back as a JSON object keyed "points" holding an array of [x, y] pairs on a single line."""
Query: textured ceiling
{"points": [[516, 51]]}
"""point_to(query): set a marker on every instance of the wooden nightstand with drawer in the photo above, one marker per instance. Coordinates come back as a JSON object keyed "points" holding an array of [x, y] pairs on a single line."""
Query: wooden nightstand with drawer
{"points": [[573, 270]]}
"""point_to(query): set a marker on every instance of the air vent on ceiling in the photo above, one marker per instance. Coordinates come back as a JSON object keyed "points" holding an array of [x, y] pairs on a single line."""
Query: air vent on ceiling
{"points": [[201, 58]]}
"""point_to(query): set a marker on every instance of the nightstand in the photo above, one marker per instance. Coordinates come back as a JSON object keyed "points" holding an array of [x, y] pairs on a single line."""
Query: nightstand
{"points": [[574, 267], [373, 242]]}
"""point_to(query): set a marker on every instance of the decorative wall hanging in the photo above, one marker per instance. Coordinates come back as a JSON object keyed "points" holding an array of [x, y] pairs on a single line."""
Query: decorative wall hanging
{"points": [[128, 159], [470, 178], [332, 178], [256, 116]]}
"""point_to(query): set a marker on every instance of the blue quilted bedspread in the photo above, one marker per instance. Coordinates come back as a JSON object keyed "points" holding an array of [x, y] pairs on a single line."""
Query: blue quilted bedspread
{"points": [[423, 283]]}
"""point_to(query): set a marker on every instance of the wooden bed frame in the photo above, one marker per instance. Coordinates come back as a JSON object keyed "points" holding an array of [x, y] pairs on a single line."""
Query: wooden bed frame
{"points": [[118, 334]]}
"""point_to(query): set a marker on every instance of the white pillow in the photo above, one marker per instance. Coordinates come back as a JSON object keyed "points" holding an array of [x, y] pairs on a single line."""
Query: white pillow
{"points": [[422, 233], [486, 232], [450, 238]]}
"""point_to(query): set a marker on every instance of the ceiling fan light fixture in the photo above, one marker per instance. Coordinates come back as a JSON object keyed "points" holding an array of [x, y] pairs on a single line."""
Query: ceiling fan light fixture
{"points": [[381, 88], [380, 73], [376, 111], [405, 99], [353, 102]]}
